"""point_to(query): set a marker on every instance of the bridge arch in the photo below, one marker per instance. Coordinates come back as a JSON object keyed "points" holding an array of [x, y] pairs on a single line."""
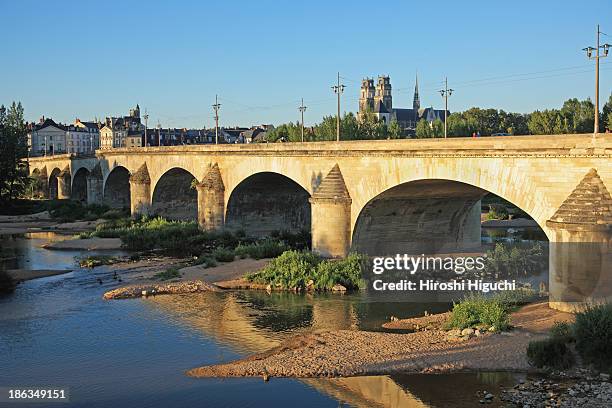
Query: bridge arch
{"points": [[174, 195], [53, 183], [422, 215], [117, 188], [268, 201], [79, 185]]}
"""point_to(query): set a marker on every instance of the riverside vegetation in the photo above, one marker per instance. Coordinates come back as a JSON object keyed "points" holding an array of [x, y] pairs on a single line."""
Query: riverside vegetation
{"points": [[588, 337], [490, 313]]}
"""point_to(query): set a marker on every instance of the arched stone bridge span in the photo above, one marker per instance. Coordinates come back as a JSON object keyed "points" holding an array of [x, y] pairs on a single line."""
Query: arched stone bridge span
{"points": [[378, 197]]}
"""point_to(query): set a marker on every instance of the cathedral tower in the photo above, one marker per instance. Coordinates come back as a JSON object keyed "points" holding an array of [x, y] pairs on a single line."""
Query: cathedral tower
{"points": [[366, 99], [383, 93], [416, 102]]}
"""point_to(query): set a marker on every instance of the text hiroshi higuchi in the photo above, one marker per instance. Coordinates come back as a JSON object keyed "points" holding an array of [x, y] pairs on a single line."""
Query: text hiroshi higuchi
{"points": [[431, 285]]}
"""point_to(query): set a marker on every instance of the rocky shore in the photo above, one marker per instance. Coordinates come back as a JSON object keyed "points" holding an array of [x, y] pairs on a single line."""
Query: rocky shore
{"points": [[135, 291], [580, 388]]}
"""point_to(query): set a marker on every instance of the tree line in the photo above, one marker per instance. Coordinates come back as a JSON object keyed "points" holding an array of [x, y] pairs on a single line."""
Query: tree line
{"points": [[13, 149], [575, 116]]}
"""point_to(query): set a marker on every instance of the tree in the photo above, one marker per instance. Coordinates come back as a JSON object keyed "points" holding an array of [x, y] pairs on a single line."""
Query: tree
{"points": [[13, 149], [547, 122], [606, 114], [426, 129], [578, 116], [394, 130]]}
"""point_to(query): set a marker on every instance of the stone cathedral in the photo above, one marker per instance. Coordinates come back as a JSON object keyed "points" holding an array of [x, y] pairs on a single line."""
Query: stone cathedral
{"points": [[378, 100]]}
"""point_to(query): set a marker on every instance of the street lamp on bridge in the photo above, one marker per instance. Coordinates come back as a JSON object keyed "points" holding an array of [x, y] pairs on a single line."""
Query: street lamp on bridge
{"points": [[596, 57]]}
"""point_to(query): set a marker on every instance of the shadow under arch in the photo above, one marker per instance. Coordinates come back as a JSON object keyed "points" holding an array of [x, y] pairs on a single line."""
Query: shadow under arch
{"points": [[267, 201], [421, 216], [53, 184], [78, 190], [117, 188], [174, 196]]}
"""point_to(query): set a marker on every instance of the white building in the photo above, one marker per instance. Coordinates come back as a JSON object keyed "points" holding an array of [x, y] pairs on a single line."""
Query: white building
{"points": [[82, 137], [47, 138]]}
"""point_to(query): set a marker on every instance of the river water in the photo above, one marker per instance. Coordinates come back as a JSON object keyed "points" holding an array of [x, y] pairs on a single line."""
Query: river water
{"points": [[58, 332]]}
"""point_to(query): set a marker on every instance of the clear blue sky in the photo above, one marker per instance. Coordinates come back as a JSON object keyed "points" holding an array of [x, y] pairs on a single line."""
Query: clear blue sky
{"points": [[86, 59]]}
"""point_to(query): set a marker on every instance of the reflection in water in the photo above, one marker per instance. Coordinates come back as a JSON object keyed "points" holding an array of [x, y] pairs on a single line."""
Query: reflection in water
{"points": [[256, 321], [59, 331]]}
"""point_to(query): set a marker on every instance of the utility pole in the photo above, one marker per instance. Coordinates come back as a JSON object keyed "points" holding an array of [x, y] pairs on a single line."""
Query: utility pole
{"points": [[445, 94], [589, 51], [338, 89], [302, 108], [146, 118], [216, 107], [158, 134]]}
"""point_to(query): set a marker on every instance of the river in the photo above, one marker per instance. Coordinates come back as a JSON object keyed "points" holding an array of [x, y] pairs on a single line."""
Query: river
{"points": [[58, 332]]}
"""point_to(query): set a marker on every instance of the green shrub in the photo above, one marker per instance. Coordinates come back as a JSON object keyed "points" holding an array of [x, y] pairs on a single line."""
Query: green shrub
{"points": [[551, 353], [268, 248], [206, 260], [222, 254], [497, 212], [295, 269], [346, 272], [478, 310], [593, 332], [93, 261], [563, 331], [170, 273]]}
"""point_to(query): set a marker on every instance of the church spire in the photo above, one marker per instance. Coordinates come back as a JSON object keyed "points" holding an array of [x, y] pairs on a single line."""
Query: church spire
{"points": [[416, 102]]}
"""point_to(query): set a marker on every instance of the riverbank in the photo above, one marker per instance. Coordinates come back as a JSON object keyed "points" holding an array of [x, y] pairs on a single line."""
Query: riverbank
{"points": [[43, 221], [140, 277], [355, 353]]}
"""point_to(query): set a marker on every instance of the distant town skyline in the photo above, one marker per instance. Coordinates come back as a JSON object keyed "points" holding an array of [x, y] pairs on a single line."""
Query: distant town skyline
{"points": [[71, 59]]}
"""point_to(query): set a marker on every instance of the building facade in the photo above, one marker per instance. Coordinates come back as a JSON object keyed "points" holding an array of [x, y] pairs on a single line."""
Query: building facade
{"points": [[82, 137], [46, 138], [116, 131]]}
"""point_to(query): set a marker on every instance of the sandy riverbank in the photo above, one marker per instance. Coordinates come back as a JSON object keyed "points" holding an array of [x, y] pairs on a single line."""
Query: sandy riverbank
{"points": [[139, 277], [349, 353]]}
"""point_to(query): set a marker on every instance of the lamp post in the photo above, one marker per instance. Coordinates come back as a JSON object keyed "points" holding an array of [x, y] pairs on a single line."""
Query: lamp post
{"points": [[338, 89], [302, 108], [445, 94], [597, 57]]}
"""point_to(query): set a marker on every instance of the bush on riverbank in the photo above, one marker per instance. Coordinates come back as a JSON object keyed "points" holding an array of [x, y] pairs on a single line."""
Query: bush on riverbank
{"points": [[97, 260], [268, 248], [307, 271], [552, 353], [490, 313], [185, 238], [223, 254], [170, 273], [593, 333]]}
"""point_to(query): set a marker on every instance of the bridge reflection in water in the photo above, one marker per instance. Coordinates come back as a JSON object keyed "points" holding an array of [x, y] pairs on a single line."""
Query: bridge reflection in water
{"points": [[250, 322]]}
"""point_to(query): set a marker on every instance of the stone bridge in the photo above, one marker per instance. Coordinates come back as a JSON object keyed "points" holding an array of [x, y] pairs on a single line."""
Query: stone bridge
{"points": [[377, 197]]}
